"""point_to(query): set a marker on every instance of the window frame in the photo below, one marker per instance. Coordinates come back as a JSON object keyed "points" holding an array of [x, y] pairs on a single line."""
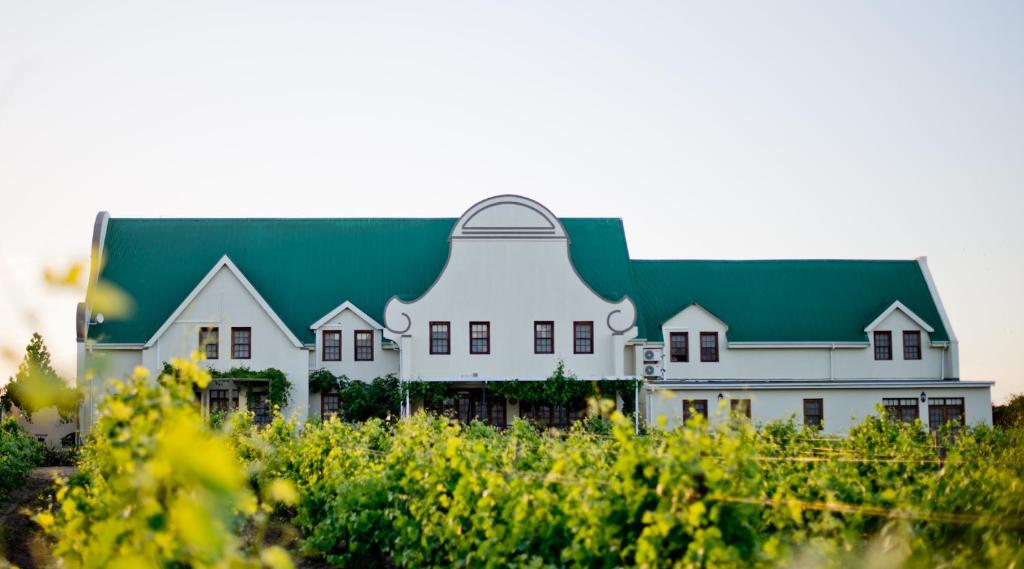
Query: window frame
{"points": [[235, 344], [895, 406], [912, 334], [486, 338], [717, 350], [887, 334], [820, 424], [204, 344], [447, 337], [693, 403], [734, 403], [576, 327], [336, 411], [550, 338], [672, 355], [356, 346], [323, 345], [945, 406]]}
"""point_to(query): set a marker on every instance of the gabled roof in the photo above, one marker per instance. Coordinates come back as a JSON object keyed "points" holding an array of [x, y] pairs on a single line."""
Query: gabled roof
{"points": [[902, 308], [304, 268], [347, 305], [224, 263], [783, 301]]}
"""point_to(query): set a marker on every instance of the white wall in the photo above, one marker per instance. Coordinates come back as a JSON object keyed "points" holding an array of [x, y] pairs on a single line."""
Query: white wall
{"points": [[843, 407], [101, 366], [798, 363], [347, 321], [510, 281], [225, 303]]}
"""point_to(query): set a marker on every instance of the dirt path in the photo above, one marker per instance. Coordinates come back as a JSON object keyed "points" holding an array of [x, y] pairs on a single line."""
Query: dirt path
{"points": [[21, 540]]}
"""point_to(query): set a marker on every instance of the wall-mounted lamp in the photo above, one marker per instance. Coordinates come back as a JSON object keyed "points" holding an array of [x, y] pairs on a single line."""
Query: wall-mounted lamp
{"points": [[99, 319], [924, 397], [721, 397]]}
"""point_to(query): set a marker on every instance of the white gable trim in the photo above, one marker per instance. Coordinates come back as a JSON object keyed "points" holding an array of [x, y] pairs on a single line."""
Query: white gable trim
{"points": [[341, 308], [224, 262], [902, 308], [698, 307]]}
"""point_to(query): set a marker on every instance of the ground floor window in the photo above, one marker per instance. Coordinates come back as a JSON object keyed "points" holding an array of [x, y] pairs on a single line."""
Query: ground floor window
{"points": [[814, 413], [901, 409], [942, 410], [472, 404], [693, 407], [259, 404], [330, 405], [740, 407], [223, 400], [552, 414]]}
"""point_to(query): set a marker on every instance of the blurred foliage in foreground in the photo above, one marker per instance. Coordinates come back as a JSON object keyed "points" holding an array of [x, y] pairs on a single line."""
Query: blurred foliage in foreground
{"points": [[428, 493], [37, 386], [20, 452], [156, 487]]}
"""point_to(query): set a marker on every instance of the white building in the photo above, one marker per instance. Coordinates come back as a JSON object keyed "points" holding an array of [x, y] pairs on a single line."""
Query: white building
{"points": [[507, 291]]}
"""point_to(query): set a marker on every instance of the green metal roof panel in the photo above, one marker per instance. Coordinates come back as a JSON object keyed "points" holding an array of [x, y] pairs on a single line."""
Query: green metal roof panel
{"points": [[304, 268], [783, 301]]}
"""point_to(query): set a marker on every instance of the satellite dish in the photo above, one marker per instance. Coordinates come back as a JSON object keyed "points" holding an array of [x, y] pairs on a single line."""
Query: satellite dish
{"points": [[99, 318]]}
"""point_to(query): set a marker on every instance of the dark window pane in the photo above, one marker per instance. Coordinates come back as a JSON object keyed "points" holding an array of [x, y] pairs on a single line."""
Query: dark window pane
{"points": [[209, 342], [241, 343], [440, 338], [679, 346], [883, 345], [543, 337], [709, 346], [911, 345], [363, 345], [479, 337], [583, 337], [332, 346]]}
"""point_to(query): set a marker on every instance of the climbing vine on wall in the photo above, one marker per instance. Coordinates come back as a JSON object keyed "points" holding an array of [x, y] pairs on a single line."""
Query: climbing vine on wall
{"points": [[278, 387]]}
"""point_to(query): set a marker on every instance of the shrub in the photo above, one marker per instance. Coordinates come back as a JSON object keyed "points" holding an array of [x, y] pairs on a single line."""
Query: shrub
{"points": [[156, 486], [428, 492], [20, 452]]}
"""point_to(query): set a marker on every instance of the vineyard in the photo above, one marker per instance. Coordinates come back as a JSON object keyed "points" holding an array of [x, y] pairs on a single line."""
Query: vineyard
{"points": [[158, 486]]}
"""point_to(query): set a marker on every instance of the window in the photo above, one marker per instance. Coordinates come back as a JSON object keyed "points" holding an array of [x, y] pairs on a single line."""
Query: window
{"points": [[883, 345], [259, 406], [740, 407], [679, 346], [814, 413], [583, 337], [904, 410], [944, 410], [543, 337], [912, 345], [241, 343], [363, 345], [709, 346], [440, 338], [693, 407], [223, 400], [479, 337], [332, 346], [209, 342], [330, 404], [553, 414]]}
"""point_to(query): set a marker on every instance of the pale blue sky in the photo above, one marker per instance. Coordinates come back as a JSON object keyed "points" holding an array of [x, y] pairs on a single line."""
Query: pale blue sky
{"points": [[715, 130]]}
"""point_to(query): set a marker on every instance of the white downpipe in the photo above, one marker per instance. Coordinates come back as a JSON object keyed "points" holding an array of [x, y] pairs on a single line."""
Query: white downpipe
{"points": [[831, 367], [942, 363], [636, 410]]}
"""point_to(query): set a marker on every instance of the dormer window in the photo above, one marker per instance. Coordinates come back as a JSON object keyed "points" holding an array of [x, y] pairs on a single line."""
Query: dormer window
{"points": [[709, 346], [912, 345], [241, 343], [209, 342], [363, 345], [679, 349], [332, 346], [883, 345]]}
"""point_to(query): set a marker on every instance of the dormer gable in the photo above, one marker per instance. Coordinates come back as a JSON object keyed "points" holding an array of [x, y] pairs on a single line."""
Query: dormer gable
{"points": [[898, 306], [334, 314]]}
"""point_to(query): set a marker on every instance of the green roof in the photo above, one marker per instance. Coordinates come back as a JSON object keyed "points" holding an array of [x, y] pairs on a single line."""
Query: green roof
{"points": [[784, 301], [304, 268]]}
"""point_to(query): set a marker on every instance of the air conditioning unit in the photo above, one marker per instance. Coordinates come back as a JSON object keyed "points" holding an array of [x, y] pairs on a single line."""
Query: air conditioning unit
{"points": [[652, 355], [651, 370]]}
